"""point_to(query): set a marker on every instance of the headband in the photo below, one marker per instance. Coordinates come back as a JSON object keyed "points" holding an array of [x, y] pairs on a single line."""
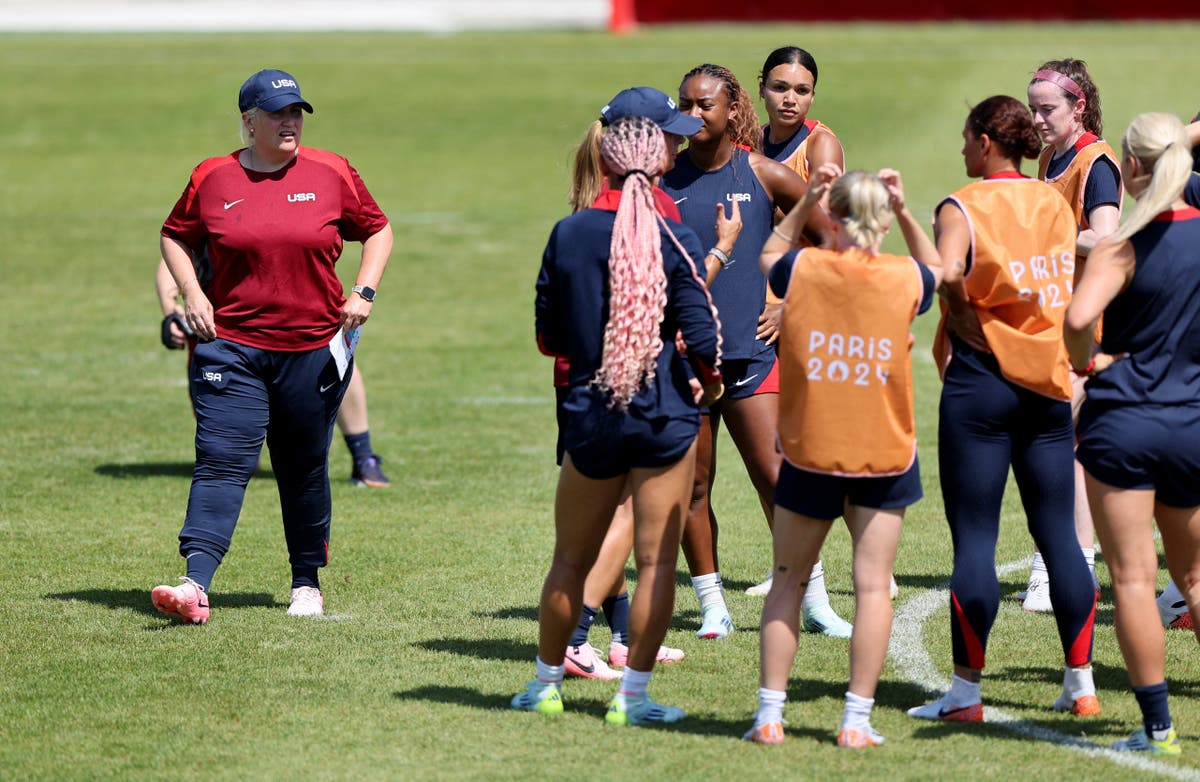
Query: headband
{"points": [[1062, 80], [633, 171]]}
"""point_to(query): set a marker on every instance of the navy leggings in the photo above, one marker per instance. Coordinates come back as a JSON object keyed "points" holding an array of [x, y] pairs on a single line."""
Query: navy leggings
{"points": [[987, 423], [243, 396]]}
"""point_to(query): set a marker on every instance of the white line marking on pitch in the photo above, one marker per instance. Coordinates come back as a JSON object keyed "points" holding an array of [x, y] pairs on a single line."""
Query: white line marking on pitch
{"points": [[908, 653]]}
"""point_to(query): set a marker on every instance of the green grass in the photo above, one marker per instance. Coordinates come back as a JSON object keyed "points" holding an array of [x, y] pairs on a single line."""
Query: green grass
{"points": [[465, 142]]}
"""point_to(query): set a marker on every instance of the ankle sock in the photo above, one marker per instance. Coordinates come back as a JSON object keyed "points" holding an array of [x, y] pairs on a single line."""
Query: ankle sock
{"points": [[580, 636], [201, 566], [550, 674], [709, 591], [1156, 716], [634, 683], [770, 706], [963, 692], [359, 445], [815, 593], [857, 712]]}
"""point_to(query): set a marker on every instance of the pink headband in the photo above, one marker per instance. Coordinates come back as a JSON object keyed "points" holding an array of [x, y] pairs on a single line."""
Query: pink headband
{"points": [[1062, 80]]}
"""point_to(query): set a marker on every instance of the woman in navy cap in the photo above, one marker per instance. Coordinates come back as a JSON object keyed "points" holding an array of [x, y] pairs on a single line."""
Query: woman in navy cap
{"points": [[617, 284], [605, 587], [276, 332]]}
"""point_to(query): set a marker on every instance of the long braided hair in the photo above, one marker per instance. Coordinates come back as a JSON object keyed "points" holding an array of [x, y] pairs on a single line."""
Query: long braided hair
{"points": [[634, 148]]}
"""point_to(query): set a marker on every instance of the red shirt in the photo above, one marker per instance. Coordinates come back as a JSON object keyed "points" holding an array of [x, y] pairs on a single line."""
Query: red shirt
{"points": [[273, 239]]}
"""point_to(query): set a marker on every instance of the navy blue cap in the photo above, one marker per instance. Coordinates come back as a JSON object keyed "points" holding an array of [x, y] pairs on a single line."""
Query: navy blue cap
{"points": [[654, 105], [271, 90]]}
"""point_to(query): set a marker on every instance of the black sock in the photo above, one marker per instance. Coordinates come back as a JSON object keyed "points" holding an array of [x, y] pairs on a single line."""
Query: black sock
{"points": [[359, 445], [585, 625], [616, 613], [1156, 717], [303, 576]]}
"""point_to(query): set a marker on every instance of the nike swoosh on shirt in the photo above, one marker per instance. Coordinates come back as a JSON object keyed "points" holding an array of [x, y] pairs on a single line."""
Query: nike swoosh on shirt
{"points": [[745, 380], [680, 201], [326, 388], [229, 204]]}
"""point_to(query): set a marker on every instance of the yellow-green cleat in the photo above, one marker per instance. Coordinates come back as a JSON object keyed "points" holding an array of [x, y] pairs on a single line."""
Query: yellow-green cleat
{"points": [[542, 697]]}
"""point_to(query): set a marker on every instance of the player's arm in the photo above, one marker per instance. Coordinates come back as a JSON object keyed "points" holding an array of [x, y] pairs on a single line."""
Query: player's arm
{"points": [[919, 244], [197, 309], [953, 237], [376, 249], [1109, 269], [787, 188]]}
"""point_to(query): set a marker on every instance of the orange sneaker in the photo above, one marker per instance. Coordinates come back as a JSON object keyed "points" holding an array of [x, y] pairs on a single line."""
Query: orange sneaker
{"points": [[859, 739], [769, 733], [186, 601], [1083, 706]]}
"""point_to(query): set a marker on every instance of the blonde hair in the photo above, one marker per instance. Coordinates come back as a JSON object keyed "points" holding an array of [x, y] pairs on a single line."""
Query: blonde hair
{"points": [[633, 148], [243, 132], [586, 177], [859, 200], [1160, 145]]}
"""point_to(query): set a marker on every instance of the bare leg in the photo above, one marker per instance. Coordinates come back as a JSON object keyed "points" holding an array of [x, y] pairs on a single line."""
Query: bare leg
{"points": [[352, 415], [607, 576], [797, 543], [660, 500], [583, 509], [1124, 520], [753, 424], [700, 532], [876, 536], [1181, 541]]}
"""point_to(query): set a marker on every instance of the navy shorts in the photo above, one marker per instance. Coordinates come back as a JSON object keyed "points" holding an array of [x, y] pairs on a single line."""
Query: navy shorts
{"points": [[747, 377], [605, 443], [1143, 447], [824, 497]]}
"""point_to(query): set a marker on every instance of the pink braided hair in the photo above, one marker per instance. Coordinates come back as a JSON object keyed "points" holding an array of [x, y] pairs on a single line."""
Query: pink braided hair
{"points": [[634, 148]]}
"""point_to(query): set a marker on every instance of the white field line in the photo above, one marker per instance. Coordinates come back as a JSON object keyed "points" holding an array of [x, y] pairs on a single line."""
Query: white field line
{"points": [[908, 653]]}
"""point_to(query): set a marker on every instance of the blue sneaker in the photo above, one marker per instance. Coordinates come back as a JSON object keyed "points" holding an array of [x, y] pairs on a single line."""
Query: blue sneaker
{"points": [[716, 624], [368, 473], [542, 697], [824, 620], [639, 710], [1140, 742]]}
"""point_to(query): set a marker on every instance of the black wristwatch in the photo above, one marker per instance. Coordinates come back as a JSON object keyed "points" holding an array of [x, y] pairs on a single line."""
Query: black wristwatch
{"points": [[368, 294]]}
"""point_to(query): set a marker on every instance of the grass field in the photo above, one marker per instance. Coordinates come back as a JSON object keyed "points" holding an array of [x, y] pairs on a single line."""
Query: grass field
{"points": [[432, 590]]}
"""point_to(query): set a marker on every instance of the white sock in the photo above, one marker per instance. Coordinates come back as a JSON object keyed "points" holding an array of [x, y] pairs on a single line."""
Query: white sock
{"points": [[1037, 571], [816, 594], [1077, 682], [770, 706], [857, 713], [963, 692], [709, 591], [634, 683], [1171, 600], [551, 674]]}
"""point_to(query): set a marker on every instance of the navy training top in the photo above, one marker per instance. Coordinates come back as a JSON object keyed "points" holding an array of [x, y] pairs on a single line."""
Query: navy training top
{"points": [[1191, 191], [785, 149], [571, 310], [739, 290], [1156, 319]]}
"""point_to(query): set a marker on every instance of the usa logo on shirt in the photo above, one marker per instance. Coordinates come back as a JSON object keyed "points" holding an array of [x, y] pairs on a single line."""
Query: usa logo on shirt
{"points": [[296, 197]]}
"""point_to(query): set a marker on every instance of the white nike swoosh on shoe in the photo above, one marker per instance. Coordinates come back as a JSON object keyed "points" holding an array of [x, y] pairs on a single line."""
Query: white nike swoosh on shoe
{"points": [[229, 204], [745, 380]]}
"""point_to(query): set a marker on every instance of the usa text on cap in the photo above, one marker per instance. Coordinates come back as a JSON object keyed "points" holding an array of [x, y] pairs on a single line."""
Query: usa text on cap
{"points": [[271, 90], [653, 104]]}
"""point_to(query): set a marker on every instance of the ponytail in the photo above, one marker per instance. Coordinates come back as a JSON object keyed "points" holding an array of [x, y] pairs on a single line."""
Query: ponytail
{"points": [[586, 176], [1160, 145]]}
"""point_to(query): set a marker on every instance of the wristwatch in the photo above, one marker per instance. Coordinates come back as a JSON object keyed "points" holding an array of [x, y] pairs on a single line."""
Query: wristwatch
{"points": [[368, 294]]}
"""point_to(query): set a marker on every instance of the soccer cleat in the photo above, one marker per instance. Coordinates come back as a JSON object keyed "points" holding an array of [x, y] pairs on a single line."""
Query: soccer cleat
{"points": [[764, 587], [1037, 597], [187, 601], [1175, 616], [1083, 706], [767, 733], [824, 620], [859, 739], [306, 601], [582, 661], [618, 655], [542, 697], [716, 624], [368, 473], [1140, 742], [639, 710], [941, 709]]}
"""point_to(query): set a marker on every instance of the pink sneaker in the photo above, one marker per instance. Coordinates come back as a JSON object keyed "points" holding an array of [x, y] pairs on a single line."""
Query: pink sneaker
{"points": [[186, 601], [582, 661], [618, 654]]}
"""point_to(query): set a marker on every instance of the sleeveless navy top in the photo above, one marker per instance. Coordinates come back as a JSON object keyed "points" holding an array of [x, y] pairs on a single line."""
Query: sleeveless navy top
{"points": [[1156, 319], [739, 290]]}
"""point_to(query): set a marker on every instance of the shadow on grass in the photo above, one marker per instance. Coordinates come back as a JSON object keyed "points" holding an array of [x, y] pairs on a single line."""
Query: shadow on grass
{"points": [[576, 704], [484, 649], [139, 599], [160, 470], [515, 612]]}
